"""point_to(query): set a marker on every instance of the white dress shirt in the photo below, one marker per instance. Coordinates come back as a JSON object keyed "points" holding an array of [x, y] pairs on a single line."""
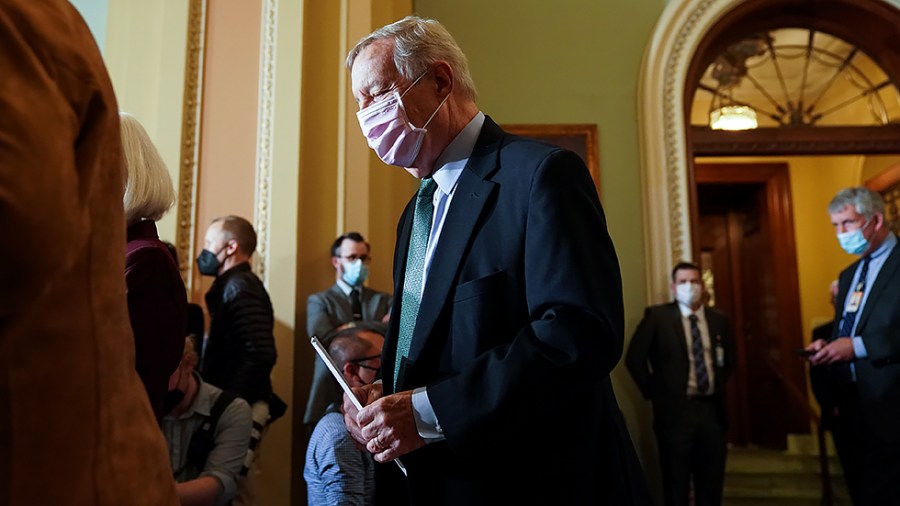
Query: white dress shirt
{"points": [[449, 167], [707, 348]]}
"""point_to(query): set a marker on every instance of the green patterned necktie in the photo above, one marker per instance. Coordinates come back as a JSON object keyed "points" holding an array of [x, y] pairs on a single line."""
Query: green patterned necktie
{"points": [[415, 270]]}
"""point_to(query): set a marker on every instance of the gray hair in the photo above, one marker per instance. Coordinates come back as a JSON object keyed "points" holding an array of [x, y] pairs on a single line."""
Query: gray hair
{"points": [[149, 192], [418, 44], [866, 202]]}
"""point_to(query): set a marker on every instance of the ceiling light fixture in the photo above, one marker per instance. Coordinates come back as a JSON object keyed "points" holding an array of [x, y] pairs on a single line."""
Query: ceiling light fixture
{"points": [[733, 117]]}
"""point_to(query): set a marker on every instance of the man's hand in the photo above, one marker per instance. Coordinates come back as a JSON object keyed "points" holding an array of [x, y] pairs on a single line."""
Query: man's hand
{"points": [[389, 427], [839, 350], [366, 394]]}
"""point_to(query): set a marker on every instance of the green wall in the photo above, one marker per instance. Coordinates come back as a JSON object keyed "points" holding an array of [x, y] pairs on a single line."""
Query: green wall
{"points": [[572, 61]]}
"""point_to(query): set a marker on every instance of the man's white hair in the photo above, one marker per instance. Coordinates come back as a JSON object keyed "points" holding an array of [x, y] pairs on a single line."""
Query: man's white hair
{"points": [[418, 44]]}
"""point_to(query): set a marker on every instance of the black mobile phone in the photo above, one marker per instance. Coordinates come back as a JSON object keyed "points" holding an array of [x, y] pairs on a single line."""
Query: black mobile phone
{"points": [[803, 352]]}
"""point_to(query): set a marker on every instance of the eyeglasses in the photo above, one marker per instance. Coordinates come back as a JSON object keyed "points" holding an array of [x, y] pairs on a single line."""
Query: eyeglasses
{"points": [[365, 258], [364, 359]]}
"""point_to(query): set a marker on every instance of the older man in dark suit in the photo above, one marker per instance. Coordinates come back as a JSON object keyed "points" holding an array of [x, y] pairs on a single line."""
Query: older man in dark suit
{"points": [[680, 357], [864, 351], [508, 314]]}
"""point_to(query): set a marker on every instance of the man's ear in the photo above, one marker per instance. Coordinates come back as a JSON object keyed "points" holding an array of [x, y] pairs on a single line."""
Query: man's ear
{"points": [[351, 374], [336, 262], [231, 247], [443, 78]]}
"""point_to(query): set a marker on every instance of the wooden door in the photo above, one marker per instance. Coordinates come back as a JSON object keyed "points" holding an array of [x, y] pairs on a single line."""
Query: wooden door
{"points": [[744, 235]]}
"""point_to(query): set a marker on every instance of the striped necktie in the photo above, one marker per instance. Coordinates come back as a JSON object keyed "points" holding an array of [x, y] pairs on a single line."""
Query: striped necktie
{"points": [[415, 270], [699, 358]]}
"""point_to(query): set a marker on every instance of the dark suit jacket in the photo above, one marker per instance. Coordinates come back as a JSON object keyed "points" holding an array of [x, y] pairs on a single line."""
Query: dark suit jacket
{"points": [[658, 360], [821, 381], [331, 308], [520, 323], [878, 376], [324, 312]]}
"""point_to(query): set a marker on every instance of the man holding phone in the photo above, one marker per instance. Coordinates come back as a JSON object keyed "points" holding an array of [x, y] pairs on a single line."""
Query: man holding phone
{"points": [[863, 353]]}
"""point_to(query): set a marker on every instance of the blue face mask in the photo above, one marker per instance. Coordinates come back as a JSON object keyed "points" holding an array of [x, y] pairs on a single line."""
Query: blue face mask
{"points": [[854, 242], [355, 272]]}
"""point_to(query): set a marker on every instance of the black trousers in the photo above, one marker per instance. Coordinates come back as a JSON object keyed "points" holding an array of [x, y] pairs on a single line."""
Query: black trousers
{"points": [[692, 449], [871, 463]]}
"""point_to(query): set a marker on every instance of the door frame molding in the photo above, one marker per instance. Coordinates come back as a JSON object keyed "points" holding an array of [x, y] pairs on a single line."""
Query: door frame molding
{"points": [[782, 248]]}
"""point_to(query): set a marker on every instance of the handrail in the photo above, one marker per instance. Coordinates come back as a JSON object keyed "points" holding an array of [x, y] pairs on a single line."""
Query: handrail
{"points": [[801, 399]]}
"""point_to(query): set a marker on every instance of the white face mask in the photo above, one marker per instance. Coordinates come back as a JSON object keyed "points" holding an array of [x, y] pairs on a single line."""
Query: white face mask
{"points": [[688, 293]]}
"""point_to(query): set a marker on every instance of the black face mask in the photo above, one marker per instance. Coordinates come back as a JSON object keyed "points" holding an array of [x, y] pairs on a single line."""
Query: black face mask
{"points": [[208, 263], [173, 397]]}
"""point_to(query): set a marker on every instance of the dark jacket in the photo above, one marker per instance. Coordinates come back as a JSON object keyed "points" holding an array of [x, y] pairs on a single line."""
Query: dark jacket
{"points": [[240, 350], [157, 308], [658, 360], [878, 375], [520, 323]]}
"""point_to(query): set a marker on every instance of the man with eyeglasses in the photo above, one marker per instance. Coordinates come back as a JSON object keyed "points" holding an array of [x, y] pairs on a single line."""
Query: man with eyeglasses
{"points": [[348, 300], [862, 356], [336, 470]]}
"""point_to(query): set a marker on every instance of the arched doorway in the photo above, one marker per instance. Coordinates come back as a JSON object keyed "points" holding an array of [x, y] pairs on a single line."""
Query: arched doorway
{"points": [[690, 36], [675, 43]]}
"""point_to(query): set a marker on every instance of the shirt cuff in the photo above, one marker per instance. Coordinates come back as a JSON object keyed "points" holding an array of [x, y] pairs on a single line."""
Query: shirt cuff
{"points": [[426, 421], [859, 348]]}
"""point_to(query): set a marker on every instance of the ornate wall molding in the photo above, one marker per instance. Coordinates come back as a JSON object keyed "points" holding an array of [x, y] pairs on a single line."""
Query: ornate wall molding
{"points": [[262, 213], [190, 139]]}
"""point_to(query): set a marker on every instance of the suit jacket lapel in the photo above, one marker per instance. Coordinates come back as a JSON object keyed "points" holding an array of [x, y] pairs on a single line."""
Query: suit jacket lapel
{"points": [[472, 192], [342, 301], [844, 280], [884, 276], [679, 330]]}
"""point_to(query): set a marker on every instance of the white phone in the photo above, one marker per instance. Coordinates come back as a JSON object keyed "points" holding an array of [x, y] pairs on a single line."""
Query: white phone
{"points": [[336, 372]]}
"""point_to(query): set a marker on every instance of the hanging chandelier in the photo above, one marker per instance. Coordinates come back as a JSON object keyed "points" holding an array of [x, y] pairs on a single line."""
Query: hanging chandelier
{"points": [[733, 117]]}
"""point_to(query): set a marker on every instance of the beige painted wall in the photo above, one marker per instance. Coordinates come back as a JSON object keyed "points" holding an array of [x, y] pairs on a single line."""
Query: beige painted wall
{"points": [[876, 164], [227, 180], [341, 186], [144, 54]]}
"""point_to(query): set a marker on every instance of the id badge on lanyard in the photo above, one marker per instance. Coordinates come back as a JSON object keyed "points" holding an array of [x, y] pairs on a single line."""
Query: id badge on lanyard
{"points": [[855, 299]]}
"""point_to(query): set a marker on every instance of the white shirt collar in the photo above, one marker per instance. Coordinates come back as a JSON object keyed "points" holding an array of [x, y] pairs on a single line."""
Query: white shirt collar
{"points": [[686, 311], [344, 287], [455, 156]]}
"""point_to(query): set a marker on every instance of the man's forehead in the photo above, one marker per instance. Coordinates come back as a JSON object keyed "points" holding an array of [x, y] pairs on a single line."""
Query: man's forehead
{"points": [[687, 274], [350, 244], [374, 66], [847, 212], [214, 230]]}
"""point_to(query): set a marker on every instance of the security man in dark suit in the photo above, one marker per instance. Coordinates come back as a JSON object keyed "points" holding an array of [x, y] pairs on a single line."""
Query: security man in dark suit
{"points": [[864, 350], [680, 357]]}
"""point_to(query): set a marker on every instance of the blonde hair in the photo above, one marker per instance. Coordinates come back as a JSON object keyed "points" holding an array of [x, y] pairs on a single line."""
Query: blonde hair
{"points": [[418, 44], [148, 187]]}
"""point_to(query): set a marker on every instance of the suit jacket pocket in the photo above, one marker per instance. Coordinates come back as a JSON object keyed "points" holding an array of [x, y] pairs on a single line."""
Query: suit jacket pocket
{"points": [[479, 312], [477, 287]]}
